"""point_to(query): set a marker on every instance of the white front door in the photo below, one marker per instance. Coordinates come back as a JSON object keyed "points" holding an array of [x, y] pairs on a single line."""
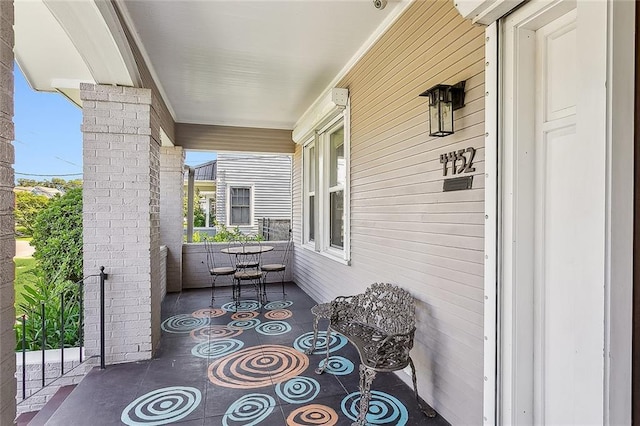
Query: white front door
{"points": [[553, 223]]}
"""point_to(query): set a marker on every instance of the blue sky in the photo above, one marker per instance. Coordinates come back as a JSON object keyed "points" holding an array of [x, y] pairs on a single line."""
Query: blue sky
{"points": [[48, 140]]}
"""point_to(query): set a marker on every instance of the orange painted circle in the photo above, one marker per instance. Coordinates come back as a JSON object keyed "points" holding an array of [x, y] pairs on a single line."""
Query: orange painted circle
{"points": [[257, 367], [313, 414], [208, 313], [278, 314], [246, 315], [203, 334]]}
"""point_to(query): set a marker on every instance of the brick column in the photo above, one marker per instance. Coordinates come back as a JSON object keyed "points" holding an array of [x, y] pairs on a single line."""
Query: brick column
{"points": [[171, 227], [7, 239], [121, 220]]}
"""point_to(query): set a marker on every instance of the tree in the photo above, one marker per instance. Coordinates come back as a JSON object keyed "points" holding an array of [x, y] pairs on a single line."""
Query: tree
{"points": [[199, 215], [28, 205], [58, 183], [57, 237]]}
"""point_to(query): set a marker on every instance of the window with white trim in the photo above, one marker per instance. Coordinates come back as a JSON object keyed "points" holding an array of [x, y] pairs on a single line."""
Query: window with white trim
{"points": [[239, 205], [325, 184]]}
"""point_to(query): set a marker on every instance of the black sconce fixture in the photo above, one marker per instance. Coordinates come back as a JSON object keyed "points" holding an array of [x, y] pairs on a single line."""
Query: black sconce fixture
{"points": [[443, 100]]}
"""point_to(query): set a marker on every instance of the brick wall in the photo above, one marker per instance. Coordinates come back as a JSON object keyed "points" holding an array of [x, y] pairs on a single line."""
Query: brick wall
{"points": [[121, 154], [171, 193], [7, 242]]}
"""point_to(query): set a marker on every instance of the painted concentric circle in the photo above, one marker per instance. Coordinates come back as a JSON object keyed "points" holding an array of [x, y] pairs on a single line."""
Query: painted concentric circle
{"points": [[273, 328], [278, 314], [336, 342], [244, 315], [338, 365], [298, 390], [183, 323], [242, 306], [244, 324], [216, 348], [384, 409], [313, 415], [278, 304], [162, 406], [249, 410], [257, 366], [203, 334], [208, 313]]}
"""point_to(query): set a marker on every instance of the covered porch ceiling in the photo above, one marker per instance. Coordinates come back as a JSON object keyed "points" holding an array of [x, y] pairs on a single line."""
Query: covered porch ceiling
{"points": [[256, 64]]}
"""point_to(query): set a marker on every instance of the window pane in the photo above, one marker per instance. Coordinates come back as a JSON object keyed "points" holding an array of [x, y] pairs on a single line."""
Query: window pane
{"points": [[311, 178], [337, 167], [240, 206], [336, 237], [310, 209]]}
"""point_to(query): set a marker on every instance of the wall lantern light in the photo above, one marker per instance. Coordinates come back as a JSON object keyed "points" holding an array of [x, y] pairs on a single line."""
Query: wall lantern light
{"points": [[443, 100]]}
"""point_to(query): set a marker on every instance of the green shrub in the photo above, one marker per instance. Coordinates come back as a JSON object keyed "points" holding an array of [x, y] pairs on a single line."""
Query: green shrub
{"points": [[42, 292], [57, 237]]}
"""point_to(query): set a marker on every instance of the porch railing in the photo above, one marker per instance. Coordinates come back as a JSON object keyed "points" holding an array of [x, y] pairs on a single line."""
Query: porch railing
{"points": [[42, 333], [274, 229]]}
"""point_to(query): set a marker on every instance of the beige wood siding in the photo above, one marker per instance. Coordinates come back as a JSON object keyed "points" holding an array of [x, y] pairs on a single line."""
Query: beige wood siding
{"points": [[404, 228], [234, 139], [270, 177]]}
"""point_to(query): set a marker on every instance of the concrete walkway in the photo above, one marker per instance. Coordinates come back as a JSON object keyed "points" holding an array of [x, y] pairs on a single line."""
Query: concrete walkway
{"points": [[23, 249]]}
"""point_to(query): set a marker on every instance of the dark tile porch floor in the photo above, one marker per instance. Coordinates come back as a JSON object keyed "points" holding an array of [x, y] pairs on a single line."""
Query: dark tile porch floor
{"points": [[206, 373]]}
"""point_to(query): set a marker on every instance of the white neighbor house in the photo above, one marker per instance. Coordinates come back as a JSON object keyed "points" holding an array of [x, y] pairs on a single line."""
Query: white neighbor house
{"points": [[523, 276]]}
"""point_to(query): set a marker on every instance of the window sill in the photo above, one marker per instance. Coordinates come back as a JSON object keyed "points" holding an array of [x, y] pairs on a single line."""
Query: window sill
{"points": [[327, 254]]}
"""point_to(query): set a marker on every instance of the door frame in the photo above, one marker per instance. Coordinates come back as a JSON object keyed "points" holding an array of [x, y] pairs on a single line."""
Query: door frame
{"points": [[622, 19]]}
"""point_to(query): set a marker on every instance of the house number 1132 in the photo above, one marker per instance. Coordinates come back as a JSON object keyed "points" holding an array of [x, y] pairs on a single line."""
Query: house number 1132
{"points": [[461, 161]]}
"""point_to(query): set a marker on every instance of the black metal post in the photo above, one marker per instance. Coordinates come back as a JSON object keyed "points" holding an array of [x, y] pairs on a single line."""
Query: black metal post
{"points": [[24, 357], [44, 338], [62, 333], [103, 276], [81, 320]]}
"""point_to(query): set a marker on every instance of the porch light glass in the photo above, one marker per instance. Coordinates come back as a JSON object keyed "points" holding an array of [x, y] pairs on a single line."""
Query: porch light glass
{"points": [[443, 100]]}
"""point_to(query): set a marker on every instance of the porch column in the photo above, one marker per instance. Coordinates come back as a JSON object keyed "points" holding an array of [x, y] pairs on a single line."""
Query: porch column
{"points": [[121, 219], [171, 227], [7, 240]]}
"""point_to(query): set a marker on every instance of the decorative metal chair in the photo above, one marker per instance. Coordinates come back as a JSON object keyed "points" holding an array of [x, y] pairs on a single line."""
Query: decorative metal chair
{"points": [[215, 270], [247, 267], [277, 267], [380, 323]]}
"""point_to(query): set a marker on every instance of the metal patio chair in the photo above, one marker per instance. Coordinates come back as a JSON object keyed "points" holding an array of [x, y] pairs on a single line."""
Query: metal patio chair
{"points": [[277, 267], [216, 270], [247, 267]]}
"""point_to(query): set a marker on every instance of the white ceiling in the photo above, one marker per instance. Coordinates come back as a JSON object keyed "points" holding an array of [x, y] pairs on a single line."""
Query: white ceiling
{"points": [[251, 63]]}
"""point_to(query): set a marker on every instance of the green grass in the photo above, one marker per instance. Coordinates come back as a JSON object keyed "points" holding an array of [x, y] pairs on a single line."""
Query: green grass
{"points": [[24, 238], [23, 267]]}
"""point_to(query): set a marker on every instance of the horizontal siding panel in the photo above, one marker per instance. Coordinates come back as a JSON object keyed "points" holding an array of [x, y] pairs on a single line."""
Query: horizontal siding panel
{"points": [[234, 139], [404, 228]]}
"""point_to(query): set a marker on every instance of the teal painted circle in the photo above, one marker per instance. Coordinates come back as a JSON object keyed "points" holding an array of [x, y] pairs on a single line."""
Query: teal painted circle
{"points": [[216, 348], [162, 406], [298, 390], [336, 342], [243, 324], [183, 323], [273, 328], [278, 304], [249, 410], [242, 306], [384, 409], [338, 366]]}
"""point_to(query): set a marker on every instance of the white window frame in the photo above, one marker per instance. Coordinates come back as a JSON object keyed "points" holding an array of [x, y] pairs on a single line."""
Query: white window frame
{"points": [[321, 141], [251, 203]]}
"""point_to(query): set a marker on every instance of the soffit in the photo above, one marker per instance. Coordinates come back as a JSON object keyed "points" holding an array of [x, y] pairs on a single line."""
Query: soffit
{"points": [[250, 63]]}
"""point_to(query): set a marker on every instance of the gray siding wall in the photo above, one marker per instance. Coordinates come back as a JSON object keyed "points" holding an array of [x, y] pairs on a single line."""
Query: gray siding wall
{"points": [[404, 229], [270, 176]]}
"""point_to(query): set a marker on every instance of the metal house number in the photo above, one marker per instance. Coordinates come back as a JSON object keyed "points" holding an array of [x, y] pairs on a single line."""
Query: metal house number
{"points": [[460, 161]]}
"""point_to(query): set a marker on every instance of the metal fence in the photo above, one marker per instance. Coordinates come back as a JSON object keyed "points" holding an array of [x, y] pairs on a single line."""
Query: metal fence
{"points": [[274, 229]]}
